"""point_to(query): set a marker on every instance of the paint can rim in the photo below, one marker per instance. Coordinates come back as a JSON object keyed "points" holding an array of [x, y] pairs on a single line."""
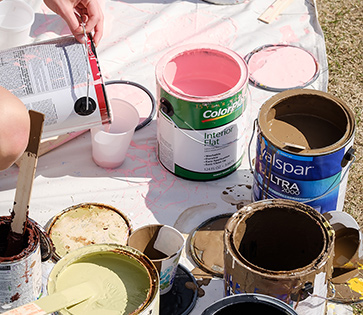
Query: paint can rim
{"points": [[187, 48], [285, 95], [249, 210], [249, 298], [136, 255], [31, 249]]}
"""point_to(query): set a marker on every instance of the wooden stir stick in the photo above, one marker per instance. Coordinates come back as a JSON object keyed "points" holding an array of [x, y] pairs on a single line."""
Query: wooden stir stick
{"points": [[24, 186]]}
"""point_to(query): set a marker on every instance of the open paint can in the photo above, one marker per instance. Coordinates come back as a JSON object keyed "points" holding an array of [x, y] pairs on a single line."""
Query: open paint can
{"points": [[304, 149], [201, 118], [281, 248], [133, 287], [249, 303], [86, 224], [20, 275]]}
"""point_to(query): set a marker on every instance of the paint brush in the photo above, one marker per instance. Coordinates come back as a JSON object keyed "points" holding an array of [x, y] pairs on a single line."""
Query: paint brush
{"points": [[24, 186]]}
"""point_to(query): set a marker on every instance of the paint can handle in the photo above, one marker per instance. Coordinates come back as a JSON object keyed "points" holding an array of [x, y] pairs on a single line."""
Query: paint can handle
{"points": [[349, 157]]}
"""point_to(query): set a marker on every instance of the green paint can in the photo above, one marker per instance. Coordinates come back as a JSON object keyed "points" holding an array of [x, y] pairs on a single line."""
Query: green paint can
{"points": [[201, 121]]}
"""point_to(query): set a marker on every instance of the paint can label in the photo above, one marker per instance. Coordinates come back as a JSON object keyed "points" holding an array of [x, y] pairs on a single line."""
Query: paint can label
{"points": [[318, 181], [202, 141], [21, 281]]}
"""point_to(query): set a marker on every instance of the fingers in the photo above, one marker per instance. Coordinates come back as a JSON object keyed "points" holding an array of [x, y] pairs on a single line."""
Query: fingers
{"points": [[94, 19], [90, 12]]}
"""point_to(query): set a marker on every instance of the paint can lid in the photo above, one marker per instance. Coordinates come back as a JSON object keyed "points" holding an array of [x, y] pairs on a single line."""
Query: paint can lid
{"points": [[346, 283], [85, 224], [280, 67], [135, 94], [179, 300], [206, 245], [346, 286]]}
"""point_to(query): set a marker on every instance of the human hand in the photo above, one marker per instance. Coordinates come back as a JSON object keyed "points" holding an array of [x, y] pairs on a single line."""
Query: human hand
{"points": [[90, 12]]}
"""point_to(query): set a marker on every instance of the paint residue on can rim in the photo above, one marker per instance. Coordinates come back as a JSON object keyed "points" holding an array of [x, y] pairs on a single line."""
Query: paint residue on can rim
{"points": [[21, 274], [280, 248], [202, 97], [85, 224], [137, 273], [304, 149]]}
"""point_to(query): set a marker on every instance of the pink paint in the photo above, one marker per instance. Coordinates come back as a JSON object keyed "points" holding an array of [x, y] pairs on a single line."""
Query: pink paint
{"points": [[202, 72], [288, 35], [282, 67]]}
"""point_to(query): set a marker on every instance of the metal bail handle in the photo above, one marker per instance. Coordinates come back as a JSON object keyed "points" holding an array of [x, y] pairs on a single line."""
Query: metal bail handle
{"points": [[167, 109], [348, 157]]}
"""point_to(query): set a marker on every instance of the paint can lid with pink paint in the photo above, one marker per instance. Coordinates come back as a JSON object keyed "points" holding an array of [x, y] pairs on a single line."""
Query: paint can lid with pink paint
{"points": [[281, 67]]}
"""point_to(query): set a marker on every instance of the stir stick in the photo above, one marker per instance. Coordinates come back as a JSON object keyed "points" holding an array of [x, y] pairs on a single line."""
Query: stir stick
{"points": [[24, 186]]}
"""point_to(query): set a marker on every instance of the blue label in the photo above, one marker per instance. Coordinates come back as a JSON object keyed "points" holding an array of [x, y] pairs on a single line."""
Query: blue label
{"points": [[301, 178]]}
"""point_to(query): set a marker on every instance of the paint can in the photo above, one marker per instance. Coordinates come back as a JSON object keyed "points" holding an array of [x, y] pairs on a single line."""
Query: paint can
{"points": [[249, 303], [281, 248], [20, 275], [304, 149], [133, 268], [85, 224], [202, 93], [60, 78]]}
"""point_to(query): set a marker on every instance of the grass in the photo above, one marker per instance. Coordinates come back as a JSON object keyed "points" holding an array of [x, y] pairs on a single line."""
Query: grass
{"points": [[342, 24]]}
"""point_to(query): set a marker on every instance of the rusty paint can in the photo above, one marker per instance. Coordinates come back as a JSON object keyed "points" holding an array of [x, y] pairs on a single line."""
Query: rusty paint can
{"points": [[20, 275], [138, 274], [281, 248]]}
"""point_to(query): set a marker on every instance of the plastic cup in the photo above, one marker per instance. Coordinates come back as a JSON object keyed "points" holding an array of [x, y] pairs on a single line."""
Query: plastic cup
{"points": [[111, 142], [163, 245], [16, 18]]}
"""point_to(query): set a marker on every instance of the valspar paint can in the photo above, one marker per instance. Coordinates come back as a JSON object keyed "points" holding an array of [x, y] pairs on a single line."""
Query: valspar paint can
{"points": [[20, 275], [202, 98], [137, 273], [281, 248], [304, 149]]}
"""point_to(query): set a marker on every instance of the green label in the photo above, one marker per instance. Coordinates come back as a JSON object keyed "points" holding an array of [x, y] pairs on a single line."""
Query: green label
{"points": [[199, 115]]}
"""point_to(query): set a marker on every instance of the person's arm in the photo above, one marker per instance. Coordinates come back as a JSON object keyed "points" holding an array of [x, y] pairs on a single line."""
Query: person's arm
{"points": [[90, 12], [14, 128]]}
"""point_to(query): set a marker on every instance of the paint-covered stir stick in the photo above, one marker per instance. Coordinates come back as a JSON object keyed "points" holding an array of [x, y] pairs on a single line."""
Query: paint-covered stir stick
{"points": [[57, 301], [86, 286], [24, 186]]}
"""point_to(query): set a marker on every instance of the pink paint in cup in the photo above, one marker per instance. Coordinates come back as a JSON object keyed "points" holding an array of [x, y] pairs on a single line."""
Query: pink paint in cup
{"points": [[111, 142]]}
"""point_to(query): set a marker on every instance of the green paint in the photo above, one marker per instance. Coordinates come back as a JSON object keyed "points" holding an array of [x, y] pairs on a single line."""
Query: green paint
{"points": [[121, 294]]}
